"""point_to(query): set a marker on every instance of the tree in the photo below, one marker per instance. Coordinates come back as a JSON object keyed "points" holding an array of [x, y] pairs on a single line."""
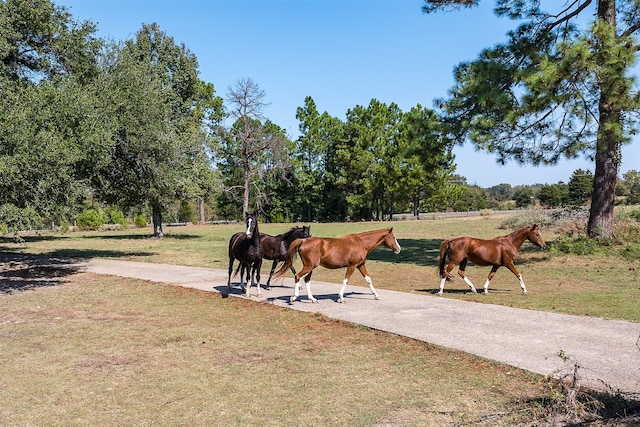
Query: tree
{"points": [[51, 127], [318, 170], [580, 187], [553, 90], [524, 197], [367, 157], [248, 143], [40, 41], [501, 192], [632, 180], [426, 163], [553, 195], [151, 94]]}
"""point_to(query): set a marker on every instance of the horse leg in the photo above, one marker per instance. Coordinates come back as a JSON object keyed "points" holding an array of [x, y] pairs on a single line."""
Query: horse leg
{"points": [[445, 275], [491, 274], [347, 276], [230, 271], [256, 272], [273, 268], [463, 265], [307, 282], [298, 279], [367, 278], [515, 271], [242, 286]]}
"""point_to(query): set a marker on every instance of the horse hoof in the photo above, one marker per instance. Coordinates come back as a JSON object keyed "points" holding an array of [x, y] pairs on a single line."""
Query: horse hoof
{"points": [[376, 297], [525, 293], [292, 300], [439, 293], [340, 300], [313, 300], [485, 293], [474, 290]]}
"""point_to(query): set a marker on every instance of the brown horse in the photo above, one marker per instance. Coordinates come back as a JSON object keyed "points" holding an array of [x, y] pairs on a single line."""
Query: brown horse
{"points": [[497, 252], [348, 251]]}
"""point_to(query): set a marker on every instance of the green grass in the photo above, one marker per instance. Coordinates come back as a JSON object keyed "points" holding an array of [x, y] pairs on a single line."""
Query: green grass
{"points": [[604, 285], [83, 349]]}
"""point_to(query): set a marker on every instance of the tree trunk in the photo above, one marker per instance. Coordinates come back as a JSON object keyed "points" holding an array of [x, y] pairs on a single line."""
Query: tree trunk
{"points": [[247, 187], [202, 218], [600, 224], [608, 142], [157, 220]]}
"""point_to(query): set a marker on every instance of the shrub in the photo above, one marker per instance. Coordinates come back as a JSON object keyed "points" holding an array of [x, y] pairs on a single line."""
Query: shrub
{"points": [[17, 219], [185, 212], [635, 215], [581, 245], [117, 217], [140, 221], [526, 218], [91, 219]]}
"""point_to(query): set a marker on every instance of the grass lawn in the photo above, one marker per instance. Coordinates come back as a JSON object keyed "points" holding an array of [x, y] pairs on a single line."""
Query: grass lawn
{"points": [[83, 349]]}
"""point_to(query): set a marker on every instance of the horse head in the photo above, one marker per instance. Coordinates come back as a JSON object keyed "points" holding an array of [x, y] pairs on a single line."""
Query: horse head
{"points": [[535, 237], [391, 242], [252, 223]]}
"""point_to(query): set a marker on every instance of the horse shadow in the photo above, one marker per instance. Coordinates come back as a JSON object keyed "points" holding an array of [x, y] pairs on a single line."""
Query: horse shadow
{"points": [[434, 291]]}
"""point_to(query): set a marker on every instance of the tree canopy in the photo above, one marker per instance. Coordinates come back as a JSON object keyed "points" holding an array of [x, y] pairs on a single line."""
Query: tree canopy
{"points": [[128, 128], [559, 87]]}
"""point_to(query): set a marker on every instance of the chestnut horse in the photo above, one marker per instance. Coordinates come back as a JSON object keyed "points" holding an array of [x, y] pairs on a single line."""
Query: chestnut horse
{"points": [[246, 247], [348, 251], [497, 252]]}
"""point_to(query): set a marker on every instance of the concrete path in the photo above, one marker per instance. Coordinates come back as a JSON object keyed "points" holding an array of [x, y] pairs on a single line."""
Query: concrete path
{"points": [[606, 351]]}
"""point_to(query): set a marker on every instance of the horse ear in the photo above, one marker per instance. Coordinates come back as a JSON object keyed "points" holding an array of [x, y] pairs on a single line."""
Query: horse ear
{"points": [[534, 226], [390, 229]]}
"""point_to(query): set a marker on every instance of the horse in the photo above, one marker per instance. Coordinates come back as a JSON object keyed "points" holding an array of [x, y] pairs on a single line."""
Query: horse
{"points": [[246, 247], [275, 248], [348, 251], [497, 252]]}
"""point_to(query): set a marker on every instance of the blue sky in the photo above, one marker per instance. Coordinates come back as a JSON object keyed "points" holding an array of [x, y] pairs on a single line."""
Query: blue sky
{"points": [[342, 53]]}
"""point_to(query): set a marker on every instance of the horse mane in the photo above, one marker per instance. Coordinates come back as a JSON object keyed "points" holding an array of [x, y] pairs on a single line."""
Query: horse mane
{"points": [[288, 234], [378, 231]]}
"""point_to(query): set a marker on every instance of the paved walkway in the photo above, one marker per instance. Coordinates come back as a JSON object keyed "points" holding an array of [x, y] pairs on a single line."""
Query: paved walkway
{"points": [[607, 351]]}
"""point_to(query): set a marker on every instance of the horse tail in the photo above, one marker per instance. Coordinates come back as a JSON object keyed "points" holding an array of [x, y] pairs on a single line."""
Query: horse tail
{"points": [[292, 252], [235, 273], [445, 252]]}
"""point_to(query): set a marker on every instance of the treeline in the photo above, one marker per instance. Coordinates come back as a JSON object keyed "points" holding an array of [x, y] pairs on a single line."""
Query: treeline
{"points": [[95, 131], [576, 192]]}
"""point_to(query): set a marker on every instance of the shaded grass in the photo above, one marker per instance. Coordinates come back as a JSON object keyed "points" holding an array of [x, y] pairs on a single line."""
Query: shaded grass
{"points": [[108, 351]]}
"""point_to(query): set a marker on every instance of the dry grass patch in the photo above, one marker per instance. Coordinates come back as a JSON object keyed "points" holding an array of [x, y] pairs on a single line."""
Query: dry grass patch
{"points": [[110, 351]]}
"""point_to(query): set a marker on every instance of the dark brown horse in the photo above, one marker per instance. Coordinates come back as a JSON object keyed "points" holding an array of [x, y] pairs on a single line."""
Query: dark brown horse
{"points": [[497, 252], [348, 251], [274, 248], [246, 247]]}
